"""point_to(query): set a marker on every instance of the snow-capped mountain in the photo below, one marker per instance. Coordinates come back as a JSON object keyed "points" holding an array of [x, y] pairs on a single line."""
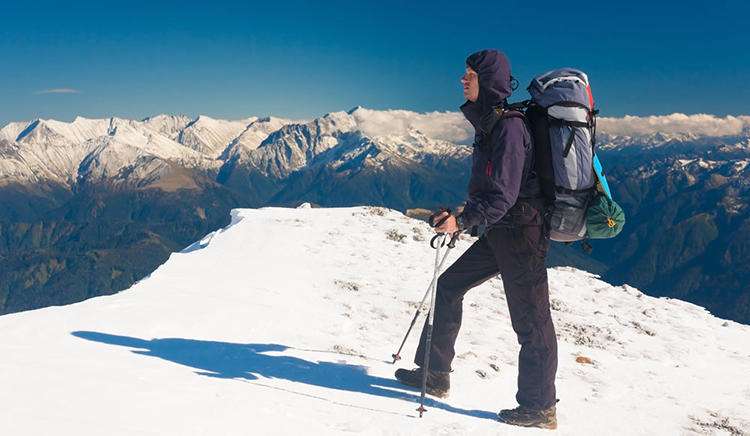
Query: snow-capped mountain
{"points": [[211, 136], [270, 147], [350, 155], [241, 152], [291, 147], [223, 339], [669, 141], [168, 125], [381, 157], [253, 135], [92, 151]]}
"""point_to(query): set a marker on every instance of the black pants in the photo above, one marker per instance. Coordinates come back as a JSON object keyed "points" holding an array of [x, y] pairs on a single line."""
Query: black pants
{"points": [[517, 252]]}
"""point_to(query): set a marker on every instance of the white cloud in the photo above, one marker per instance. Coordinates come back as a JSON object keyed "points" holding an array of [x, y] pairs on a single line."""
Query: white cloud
{"points": [[699, 124], [448, 126], [58, 91], [451, 126]]}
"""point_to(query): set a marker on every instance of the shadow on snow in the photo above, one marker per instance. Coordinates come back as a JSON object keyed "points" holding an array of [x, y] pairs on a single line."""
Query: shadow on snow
{"points": [[250, 362]]}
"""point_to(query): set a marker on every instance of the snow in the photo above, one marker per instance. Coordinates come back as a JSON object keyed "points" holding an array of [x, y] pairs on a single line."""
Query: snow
{"points": [[11, 131], [80, 130], [254, 135], [339, 138], [169, 125], [211, 136], [685, 162], [702, 163], [284, 322], [57, 151], [296, 145], [53, 150], [706, 164]]}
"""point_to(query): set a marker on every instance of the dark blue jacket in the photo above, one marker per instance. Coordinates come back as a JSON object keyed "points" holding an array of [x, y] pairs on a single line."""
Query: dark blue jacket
{"points": [[502, 158]]}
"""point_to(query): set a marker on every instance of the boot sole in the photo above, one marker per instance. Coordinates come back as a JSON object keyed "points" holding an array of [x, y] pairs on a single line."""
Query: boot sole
{"points": [[549, 426]]}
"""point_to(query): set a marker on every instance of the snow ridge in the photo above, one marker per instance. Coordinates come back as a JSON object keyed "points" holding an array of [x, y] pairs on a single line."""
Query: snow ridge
{"points": [[222, 336]]}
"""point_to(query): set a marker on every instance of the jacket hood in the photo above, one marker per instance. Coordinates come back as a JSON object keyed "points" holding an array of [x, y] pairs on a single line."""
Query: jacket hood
{"points": [[493, 69]]}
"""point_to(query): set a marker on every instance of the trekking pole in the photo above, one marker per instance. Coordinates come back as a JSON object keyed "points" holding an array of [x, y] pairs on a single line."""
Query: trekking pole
{"points": [[430, 317], [397, 355]]}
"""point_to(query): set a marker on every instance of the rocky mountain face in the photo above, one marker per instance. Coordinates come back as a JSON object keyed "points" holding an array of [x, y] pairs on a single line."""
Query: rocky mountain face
{"points": [[94, 205]]}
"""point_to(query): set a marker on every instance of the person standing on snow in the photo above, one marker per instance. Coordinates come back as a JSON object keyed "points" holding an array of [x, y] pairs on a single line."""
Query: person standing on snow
{"points": [[506, 209]]}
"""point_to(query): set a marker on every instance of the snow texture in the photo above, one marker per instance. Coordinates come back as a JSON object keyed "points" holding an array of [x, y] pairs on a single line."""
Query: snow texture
{"points": [[284, 323]]}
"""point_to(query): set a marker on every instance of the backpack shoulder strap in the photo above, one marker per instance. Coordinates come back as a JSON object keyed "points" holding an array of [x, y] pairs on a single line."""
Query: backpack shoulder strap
{"points": [[503, 113], [517, 110]]}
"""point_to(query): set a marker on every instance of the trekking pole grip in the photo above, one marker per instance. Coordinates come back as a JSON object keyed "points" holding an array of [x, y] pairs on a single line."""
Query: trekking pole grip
{"points": [[431, 220]]}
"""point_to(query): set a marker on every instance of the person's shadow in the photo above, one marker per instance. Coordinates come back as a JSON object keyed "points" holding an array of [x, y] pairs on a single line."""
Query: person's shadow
{"points": [[250, 362]]}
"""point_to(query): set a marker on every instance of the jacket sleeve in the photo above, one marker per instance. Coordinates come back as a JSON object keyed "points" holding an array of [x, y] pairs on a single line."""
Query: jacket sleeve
{"points": [[487, 207]]}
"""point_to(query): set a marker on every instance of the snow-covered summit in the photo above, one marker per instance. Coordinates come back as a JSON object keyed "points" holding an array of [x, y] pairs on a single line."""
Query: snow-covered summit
{"points": [[169, 125], [253, 135], [211, 136], [282, 323]]}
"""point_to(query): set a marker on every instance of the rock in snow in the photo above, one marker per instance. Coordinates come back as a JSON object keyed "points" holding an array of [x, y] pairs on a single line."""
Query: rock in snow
{"points": [[283, 323]]}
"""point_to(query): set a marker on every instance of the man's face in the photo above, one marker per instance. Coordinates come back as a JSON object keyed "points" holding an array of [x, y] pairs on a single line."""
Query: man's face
{"points": [[470, 82]]}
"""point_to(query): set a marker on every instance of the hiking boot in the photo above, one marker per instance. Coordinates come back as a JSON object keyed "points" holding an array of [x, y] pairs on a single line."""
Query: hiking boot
{"points": [[438, 382], [525, 417]]}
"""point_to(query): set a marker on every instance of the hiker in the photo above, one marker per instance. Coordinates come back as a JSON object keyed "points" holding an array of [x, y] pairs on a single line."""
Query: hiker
{"points": [[505, 208]]}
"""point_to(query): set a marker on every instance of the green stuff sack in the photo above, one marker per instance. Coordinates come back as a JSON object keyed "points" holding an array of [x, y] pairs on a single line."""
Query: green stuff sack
{"points": [[604, 218]]}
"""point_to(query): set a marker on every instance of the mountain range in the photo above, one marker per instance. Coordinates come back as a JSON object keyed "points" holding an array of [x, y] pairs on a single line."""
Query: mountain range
{"points": [[257, 156], [93, 205]]}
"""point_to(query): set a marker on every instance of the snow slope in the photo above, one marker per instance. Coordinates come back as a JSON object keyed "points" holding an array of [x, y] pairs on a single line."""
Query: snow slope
{"points": [[283, 323]]}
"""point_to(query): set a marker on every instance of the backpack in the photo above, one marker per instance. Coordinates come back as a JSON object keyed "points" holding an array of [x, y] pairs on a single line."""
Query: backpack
{"points": [[562, 121]]}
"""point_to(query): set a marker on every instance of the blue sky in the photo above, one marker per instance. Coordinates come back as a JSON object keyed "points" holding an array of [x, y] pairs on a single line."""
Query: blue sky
{"points": [[302, 59]]}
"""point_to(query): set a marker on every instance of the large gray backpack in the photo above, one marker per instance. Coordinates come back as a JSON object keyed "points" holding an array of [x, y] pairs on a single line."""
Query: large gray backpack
{"points": [[562, 118]]}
